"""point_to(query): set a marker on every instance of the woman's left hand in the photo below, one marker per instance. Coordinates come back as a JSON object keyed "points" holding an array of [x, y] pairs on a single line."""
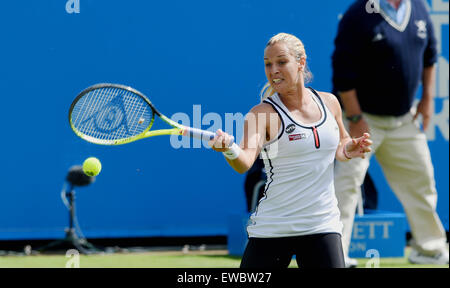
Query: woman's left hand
{"points": [[358, 147]]}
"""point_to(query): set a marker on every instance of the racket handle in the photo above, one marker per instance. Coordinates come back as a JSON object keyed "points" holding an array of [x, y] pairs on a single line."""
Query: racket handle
{"points": [[202, 134]]}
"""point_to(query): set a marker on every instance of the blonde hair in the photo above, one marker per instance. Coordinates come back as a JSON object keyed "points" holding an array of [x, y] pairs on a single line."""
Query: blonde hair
{"points": [[297, 48]]}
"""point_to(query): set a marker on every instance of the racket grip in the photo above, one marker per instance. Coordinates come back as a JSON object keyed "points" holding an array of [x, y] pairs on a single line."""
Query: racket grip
{"points": [[202, 134]]}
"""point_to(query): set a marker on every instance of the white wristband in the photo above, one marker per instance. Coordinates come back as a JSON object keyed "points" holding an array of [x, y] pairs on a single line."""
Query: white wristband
{"points": [[233, 152]]}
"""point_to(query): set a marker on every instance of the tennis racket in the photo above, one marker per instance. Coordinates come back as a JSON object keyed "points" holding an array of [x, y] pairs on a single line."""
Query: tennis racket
{"points": [[113, 114]]}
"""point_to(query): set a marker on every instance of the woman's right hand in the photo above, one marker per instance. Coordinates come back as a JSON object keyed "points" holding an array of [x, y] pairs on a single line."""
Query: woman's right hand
{"points": [[221, 142]]}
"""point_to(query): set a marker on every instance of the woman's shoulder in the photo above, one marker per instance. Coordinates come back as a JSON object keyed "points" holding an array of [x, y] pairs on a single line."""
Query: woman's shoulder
{"points": [[327, 96], [262, 107], [330, 100]]}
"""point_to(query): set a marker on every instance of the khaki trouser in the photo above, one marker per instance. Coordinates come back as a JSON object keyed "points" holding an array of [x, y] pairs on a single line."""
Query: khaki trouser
{"points": [[402, 151]]}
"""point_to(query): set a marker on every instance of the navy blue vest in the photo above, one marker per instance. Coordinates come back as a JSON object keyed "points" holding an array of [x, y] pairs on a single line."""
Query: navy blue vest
{"points": [[382, 61]]}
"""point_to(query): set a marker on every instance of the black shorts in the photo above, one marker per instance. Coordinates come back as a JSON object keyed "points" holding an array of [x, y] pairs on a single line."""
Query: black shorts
{"points": [[315, 251]]}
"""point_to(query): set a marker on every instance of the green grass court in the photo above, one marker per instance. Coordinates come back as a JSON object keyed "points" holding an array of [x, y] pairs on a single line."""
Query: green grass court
{"points": [[169, 259]]}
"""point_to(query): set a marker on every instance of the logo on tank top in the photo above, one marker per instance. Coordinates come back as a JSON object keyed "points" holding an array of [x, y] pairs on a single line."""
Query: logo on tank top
{"points": [[295, 137], [290, 128], [421, 29]]}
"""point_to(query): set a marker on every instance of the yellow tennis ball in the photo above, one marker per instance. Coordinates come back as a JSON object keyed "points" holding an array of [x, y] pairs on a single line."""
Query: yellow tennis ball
{"points": [[92, 166]]}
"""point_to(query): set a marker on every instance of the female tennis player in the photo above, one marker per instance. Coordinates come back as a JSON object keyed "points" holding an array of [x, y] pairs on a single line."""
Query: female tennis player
{"points": [[299, 133]]}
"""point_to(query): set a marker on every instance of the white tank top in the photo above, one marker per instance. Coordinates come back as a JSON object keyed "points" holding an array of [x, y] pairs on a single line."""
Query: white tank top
{"points": [[299, 196]]}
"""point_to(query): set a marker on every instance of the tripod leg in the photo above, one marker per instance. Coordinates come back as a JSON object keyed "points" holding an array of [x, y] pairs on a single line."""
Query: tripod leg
{"points": [[52, 245]]}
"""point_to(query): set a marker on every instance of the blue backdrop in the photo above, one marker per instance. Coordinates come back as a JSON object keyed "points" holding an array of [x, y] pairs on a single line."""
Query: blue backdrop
{"points": [[180, 53]]}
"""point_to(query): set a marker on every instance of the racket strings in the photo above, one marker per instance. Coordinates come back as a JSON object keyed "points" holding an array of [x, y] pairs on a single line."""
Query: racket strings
{"points": [[105, 115], [90, 110]]}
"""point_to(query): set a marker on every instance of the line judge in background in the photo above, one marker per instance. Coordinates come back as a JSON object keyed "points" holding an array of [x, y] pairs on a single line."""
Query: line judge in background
{"points": [[382, 53]]}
